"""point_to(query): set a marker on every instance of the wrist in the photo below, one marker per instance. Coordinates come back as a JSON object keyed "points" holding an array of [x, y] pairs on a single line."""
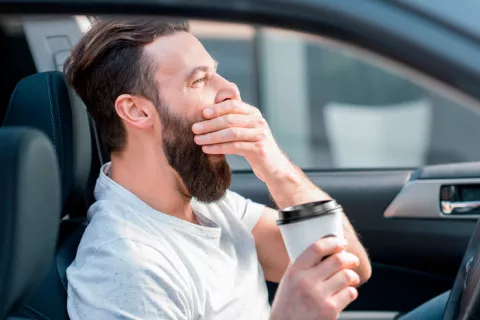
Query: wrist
{"points": [[289, 186], [284, 173], [275, 312]]}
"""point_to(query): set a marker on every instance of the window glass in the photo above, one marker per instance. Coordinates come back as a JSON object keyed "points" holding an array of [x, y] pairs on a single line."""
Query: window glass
{"points": [[332, 108]]}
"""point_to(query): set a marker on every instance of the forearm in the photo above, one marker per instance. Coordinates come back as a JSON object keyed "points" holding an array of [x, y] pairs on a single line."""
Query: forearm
{"points": [[291, 187]]}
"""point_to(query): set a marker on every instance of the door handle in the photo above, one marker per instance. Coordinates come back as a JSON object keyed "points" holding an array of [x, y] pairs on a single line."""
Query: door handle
{"points": [[453, 207]]}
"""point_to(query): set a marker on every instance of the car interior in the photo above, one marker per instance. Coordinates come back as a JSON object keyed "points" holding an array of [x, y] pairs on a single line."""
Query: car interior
{"points": [[414, 222], [30, 206], [69, 131]]}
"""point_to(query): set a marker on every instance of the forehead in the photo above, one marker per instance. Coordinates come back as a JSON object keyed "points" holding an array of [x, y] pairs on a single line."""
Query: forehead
{"points": [[178, 54]]}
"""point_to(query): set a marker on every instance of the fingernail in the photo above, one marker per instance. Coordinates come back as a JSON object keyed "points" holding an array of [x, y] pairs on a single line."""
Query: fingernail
{"points": [[341, 242], [197, 126], [354, 258], [208, 112], [336, 241]]}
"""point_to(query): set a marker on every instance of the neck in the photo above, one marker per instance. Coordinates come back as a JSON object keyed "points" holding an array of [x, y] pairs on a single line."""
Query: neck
{"points": [[151, 179]]}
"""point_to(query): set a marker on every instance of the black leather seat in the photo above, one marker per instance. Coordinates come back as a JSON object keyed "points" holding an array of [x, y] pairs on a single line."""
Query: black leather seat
{"points": [[43, 101], [29, 212]]}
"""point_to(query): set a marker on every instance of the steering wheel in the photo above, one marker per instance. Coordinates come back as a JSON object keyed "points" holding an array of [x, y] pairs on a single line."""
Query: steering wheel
{"points": [[464, 300]]}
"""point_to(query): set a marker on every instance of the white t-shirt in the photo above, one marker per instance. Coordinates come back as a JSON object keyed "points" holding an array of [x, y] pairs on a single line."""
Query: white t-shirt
{"points": [[134, 262]]}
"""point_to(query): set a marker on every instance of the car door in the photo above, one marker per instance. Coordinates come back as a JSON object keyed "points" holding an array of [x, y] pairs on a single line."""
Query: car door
{"points": [[377, 137]]}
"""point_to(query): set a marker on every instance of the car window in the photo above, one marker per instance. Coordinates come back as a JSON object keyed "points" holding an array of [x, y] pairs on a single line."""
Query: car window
{"points": [[334, 108]]}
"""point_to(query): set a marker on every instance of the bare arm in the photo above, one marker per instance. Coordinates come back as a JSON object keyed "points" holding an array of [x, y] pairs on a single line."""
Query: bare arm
{"points": [[233, 127], [271, 249], [292, 187]]}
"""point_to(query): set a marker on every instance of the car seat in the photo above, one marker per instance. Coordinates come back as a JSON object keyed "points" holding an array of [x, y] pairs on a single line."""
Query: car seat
{"points": [[43, 101], [29, 212]]}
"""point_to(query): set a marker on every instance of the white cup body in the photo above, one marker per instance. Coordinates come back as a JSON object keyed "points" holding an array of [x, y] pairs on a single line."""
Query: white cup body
{"points": [[298, 236]]}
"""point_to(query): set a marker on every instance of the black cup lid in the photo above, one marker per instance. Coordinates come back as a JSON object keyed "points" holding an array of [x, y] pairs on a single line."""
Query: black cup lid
{"points": [[306, 211]]}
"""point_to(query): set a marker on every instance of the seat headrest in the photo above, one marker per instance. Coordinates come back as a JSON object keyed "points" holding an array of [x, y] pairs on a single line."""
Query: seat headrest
{"points": [[29, 212], [43, 101]]}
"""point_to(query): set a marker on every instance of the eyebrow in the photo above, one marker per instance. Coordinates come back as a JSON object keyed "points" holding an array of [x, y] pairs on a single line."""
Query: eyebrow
{"points": [[192, 74]]}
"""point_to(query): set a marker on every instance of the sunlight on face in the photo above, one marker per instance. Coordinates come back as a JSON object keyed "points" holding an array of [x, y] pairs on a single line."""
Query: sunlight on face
{"points": [[186, 74], [188, 83]]}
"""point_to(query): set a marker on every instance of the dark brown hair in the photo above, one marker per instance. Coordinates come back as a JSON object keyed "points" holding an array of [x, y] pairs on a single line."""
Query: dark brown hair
{"points": [[108, 61]]}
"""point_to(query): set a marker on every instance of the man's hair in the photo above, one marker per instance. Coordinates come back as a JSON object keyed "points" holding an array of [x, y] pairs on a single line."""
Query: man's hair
{"points": [[109, 60]]}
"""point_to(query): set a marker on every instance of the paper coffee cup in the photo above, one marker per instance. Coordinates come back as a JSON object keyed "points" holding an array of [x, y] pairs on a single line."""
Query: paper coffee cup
{"points": [[304, 224]]}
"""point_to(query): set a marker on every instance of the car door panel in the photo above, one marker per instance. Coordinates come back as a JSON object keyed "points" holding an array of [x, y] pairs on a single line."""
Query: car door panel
{"points": [[449, 191], [413, 259]]}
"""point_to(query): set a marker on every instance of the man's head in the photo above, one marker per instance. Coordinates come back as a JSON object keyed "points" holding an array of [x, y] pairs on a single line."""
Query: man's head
{"points": [[145, 82]]}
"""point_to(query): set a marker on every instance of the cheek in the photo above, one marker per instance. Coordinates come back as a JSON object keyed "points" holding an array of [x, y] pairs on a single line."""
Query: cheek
{"points": [[199, 100], [190, 102], [207, 94]]}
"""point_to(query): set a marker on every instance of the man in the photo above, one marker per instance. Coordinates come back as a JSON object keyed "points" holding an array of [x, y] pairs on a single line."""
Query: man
{"points": [[166, 238]]}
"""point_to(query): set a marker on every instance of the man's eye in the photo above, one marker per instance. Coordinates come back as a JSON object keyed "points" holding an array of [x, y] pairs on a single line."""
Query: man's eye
{"points": [[200, 80]]}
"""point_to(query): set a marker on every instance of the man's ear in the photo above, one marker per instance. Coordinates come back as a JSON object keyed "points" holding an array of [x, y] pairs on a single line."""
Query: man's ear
{"points": [[134, 110]]}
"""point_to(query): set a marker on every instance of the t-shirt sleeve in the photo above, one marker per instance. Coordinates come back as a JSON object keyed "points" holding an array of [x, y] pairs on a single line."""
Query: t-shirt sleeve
{"points": [[127, 280], [249, 211]]}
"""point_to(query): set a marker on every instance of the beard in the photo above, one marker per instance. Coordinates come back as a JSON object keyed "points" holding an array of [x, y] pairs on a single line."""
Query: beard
{"points": [[204, 180]]}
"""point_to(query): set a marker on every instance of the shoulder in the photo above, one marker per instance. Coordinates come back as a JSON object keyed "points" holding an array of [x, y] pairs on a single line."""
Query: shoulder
{"points": [[127, 276], [111, 220], [120, 234], [231, 200], [129, 265], [107, 222], [234, 206], [122, 255]]}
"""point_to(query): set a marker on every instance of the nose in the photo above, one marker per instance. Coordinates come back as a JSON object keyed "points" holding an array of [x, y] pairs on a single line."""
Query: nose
{"points": [[227, 91]]}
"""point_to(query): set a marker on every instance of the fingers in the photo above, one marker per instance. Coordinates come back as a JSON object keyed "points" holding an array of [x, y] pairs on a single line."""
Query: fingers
{"points": [[227, 107], [240, 148], [232, 127], [319, 250], [334, 263], [228, 135], [340, 280], [344, 297], [223, 122]]}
